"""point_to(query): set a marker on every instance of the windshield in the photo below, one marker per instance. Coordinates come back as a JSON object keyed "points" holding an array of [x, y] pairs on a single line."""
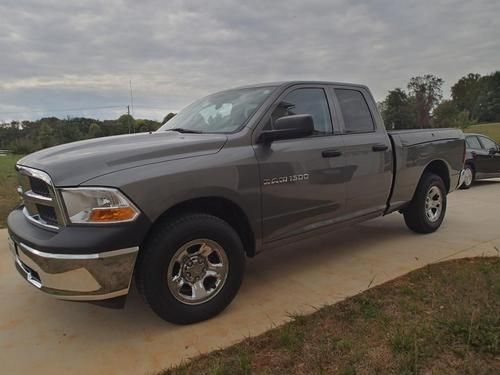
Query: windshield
{"points": [[223, 112]]}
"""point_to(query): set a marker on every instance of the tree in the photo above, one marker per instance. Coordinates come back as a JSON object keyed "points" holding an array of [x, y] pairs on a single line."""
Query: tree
{"points": [[94, 130], [147, 125], [447, 114], [398, 110], [167, 117], [46, 137], [488, 102], [466, 92], [427, 91], [126, 124]]}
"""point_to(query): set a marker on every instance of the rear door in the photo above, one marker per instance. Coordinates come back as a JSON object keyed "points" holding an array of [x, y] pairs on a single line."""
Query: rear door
{"points": [[367, 150], [302, 180]]}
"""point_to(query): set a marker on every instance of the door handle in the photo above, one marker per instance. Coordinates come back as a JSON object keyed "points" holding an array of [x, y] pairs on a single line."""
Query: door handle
{"points": [[331, 153], [379, 147]]}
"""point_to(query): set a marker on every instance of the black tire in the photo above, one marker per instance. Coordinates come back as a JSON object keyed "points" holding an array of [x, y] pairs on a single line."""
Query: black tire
{"points": [[467, 184], [415, 214], [160, 248]]}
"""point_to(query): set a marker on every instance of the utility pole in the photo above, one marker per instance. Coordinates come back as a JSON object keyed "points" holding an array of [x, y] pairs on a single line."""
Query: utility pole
{"points": [[128, 118], [131, 98]]}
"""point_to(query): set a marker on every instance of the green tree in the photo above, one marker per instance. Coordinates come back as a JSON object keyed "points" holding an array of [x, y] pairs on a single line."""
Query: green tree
{"points": [[488, 103], [143, 125], [94, 130], [447, 114], [427, 91], [167, 117], [466, 92], [126, 124], [46, 136], [398, 110]]}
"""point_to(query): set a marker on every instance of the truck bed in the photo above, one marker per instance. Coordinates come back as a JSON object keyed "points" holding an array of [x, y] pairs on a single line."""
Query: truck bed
{"points": [[414, 150]]}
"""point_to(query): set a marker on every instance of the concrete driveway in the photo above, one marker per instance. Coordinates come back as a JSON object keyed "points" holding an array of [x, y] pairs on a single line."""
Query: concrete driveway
{"points": [[43, 335]]}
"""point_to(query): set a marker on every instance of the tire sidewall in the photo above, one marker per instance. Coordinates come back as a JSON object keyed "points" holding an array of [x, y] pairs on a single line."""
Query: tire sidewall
{"points": [[433, 180], [464, 185], [160, 253]]}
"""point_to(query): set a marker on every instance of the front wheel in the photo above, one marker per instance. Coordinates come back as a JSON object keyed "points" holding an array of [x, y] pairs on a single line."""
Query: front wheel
{"points": [[191, 268], [428, 207]]}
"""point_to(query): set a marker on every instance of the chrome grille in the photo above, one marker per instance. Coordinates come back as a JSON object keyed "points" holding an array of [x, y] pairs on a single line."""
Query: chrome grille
{"points": [[39, 187], [41, 202]]}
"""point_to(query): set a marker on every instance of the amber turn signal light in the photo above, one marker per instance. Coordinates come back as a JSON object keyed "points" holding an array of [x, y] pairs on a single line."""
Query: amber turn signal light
{"points": [[111, 214]]}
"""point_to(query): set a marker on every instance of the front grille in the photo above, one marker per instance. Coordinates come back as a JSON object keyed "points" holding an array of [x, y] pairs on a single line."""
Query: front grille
{"points": [[47, 214], [40, 200], [39, 187]]}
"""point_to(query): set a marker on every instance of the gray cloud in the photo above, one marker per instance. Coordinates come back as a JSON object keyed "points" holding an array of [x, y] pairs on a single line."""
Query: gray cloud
{"points": [[62, 54]]}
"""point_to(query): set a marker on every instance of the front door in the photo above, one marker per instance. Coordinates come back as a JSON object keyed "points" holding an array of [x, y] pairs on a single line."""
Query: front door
{"points": [[488, 160], [302, 181]]}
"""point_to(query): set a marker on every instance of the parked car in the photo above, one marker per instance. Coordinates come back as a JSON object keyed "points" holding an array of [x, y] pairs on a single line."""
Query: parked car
{"points": [[482, 159], [231, 175]]}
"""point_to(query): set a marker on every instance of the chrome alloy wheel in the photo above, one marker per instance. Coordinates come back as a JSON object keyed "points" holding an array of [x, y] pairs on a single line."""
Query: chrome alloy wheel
{"points": [[197, 271], [434, 204], [467, 176]]}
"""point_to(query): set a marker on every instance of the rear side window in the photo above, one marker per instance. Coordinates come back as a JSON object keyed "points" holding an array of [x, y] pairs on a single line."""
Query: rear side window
{"points": [[306, 102], [355, 111], [473, 142], [488, 143]]}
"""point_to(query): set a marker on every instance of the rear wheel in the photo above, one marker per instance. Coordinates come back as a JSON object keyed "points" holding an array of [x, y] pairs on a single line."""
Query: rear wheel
{"points": [[428, 207], [191, 269], [468, 177]]}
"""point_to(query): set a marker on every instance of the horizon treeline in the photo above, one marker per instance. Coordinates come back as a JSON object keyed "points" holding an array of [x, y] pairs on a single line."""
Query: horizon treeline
{"points": [[474, 99]]}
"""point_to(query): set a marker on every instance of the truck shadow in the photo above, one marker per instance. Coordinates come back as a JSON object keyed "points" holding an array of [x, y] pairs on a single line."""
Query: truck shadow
{"points": [[480, 183], [275, 266]]}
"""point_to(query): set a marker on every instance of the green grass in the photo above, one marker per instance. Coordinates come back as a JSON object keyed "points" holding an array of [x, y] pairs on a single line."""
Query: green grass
{"points": [[8, 184], [441, 319], [491, 130]]}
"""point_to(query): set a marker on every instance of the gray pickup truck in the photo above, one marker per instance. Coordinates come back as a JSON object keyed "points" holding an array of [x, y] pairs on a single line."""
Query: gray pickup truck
{"points": [[231, 175]]}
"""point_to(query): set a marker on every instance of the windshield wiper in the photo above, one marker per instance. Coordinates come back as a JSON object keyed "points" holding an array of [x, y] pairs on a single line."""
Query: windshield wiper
{"points": [[182, 130]]}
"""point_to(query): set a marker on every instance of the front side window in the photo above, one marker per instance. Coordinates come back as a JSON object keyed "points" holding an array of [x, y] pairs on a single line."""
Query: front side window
{"points": [[223, 112], [306, 102], [488, 144], [355, 111], [473, 142]]}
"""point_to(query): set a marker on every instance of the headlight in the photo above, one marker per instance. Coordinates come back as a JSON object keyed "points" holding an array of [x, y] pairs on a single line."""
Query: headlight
{"points": [[97, 205]]}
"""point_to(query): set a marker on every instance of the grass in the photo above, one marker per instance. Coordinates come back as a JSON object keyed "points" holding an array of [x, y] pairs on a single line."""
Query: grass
{"points": [[491, 130], [442, 319], [8, 184]]}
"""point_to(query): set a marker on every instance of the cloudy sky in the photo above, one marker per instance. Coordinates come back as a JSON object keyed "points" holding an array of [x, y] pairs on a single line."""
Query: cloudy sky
{"points": [[77, 57]]}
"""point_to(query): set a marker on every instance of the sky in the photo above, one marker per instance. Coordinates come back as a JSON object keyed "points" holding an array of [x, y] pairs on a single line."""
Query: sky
{"points": [[77, 58]]}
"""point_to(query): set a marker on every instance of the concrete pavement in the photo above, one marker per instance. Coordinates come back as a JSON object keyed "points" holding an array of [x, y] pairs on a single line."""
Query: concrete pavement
{"points": [[44, 335]]}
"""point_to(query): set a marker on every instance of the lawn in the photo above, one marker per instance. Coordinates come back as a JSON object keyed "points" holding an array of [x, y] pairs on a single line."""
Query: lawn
{"points": [[8, 185], [441, 319], [491, 130]]}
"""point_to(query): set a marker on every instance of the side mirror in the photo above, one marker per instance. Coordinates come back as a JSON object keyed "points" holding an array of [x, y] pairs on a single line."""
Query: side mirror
{"points": [[493, 150], [289, 127]]}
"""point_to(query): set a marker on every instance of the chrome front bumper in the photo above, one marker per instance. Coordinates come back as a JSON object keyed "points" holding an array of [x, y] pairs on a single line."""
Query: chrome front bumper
{"points": [[78, 277]]}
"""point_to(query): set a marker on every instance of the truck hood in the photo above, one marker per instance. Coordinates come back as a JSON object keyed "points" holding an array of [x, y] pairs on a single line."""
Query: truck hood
{"points": [[74, 163]]}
